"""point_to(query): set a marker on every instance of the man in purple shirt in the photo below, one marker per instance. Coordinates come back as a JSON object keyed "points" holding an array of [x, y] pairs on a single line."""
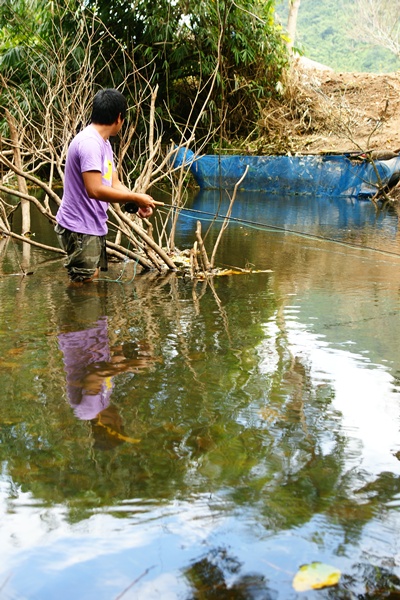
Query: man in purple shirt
{"points": [[90, 183]]}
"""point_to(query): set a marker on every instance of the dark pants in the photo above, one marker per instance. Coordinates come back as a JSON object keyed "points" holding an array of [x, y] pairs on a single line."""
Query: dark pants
{"points": [[85, 253]]}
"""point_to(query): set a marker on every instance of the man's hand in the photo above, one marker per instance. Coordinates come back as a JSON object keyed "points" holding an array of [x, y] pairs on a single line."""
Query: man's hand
{"points": [[146, 204], [118, 192], [144, 213], [143, 201]]}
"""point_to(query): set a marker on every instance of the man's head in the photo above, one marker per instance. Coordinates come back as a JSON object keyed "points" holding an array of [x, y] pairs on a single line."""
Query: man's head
{"points": [[108, 105]]}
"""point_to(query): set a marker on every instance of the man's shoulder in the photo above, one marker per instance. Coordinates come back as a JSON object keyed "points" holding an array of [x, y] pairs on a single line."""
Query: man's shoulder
{"points": [[87, 140], [88, 133]]}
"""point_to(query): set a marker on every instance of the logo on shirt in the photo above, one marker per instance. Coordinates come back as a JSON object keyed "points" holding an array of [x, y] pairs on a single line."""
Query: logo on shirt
{"points": [[108, 170]]}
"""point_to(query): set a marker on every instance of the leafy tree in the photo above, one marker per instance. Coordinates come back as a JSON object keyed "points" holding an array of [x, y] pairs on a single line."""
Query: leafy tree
{"points": [[198, 73], [179, 45], [21, 28], [175, 45]]}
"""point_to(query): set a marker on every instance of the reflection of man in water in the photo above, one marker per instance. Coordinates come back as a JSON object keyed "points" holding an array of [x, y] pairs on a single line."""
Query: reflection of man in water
{"points": [[88, 388], [90, 367]]}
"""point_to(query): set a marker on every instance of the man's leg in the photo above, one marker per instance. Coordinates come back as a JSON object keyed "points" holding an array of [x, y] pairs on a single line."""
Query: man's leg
{"points": [[83, 254]]}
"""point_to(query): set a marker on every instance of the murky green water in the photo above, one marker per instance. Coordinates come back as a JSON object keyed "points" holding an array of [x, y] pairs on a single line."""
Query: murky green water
{"points": [[164, 439]]}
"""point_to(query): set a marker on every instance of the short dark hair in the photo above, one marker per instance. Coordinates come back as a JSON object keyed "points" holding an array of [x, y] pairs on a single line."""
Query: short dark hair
{"points": [[108, 104]]}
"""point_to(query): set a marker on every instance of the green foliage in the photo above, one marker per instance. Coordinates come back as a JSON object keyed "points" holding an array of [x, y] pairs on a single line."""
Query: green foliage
{"points": [[231, 50], [324, 34]]}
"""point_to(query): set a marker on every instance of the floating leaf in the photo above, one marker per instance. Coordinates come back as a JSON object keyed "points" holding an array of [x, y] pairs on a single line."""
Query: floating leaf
{"points": [[237, 271], [314, 576], [223, 272]]}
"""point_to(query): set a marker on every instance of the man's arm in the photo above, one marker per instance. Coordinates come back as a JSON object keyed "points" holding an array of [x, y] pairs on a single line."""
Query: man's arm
{"points": [[117, 192]]}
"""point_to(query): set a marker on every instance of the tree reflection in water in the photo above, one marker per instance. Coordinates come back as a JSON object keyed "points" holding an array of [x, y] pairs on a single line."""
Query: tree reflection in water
{"points": [[90, 364], [231, 421], [217, 576]]}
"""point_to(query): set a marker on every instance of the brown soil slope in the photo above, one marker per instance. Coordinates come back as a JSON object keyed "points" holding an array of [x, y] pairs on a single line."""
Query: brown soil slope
{"points": [[336, 112]]}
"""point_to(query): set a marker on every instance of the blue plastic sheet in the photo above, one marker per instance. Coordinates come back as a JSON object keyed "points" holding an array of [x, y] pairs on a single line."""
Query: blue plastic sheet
{"points": [[332, 175]]}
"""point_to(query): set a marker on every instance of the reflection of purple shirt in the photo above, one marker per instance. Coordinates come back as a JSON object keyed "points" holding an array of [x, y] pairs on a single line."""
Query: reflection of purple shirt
{"points": [[82, 350], [88, 151]]}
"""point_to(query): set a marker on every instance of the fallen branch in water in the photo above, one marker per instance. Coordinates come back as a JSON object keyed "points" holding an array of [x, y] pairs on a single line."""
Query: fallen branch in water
{"points": [[228, 214], [28, 240], [133, 583]]}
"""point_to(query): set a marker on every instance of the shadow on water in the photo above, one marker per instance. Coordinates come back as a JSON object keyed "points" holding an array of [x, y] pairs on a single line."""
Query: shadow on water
{"points": [[178, 439]]}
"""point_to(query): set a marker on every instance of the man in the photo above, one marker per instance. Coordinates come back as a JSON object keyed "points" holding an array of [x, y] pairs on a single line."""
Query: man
{"points": [[90, 183]]}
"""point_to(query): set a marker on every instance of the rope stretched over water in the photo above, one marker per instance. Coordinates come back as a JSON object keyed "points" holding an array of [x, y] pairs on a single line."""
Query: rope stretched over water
{"points": [[265, 227]]}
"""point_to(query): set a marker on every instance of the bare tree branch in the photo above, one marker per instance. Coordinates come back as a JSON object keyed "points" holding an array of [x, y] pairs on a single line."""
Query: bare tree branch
{"points": [[378, 23]]}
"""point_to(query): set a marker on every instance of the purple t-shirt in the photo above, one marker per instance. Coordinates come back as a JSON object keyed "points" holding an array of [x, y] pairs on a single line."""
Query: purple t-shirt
{"points": [[88, 151], [83, 351]]}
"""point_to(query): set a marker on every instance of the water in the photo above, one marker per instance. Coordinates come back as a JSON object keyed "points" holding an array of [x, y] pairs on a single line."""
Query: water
{"points": [[247, 426]]}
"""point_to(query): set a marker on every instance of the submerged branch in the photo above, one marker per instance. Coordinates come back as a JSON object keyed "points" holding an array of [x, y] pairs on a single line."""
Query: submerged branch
{"points": [[227, 217], [140, 232], [27, 240], [121, 252], [203, 253]]}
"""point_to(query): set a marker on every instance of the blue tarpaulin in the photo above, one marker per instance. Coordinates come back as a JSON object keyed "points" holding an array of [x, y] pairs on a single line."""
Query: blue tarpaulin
{"points": [[332, 175]]}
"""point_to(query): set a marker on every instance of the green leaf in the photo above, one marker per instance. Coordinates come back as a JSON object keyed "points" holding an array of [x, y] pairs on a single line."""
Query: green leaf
{"points": [[315, 576]]}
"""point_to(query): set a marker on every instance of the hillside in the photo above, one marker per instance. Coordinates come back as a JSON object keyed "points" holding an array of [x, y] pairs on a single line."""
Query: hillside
{"points": [[325, 33], [324, 112]]}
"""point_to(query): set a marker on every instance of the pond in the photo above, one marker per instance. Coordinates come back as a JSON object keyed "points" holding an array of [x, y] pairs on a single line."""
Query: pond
{"points": [[162, 438]]}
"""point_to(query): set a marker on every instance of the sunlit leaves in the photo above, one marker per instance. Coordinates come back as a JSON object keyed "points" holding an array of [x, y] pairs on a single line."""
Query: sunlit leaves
{"points": [[315, 576], [182, 43], [177, 45]]}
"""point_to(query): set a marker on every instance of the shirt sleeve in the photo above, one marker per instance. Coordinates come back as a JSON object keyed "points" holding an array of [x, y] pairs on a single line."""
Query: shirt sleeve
{"points": [[90, 155]]}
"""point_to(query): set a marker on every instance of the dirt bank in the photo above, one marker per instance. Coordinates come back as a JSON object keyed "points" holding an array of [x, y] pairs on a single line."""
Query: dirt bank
{"points": [[335, 112]]}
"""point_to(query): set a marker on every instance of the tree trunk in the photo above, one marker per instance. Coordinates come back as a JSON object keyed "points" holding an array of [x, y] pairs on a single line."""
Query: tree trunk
{"points": [[294, 6], [22, 187]]}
